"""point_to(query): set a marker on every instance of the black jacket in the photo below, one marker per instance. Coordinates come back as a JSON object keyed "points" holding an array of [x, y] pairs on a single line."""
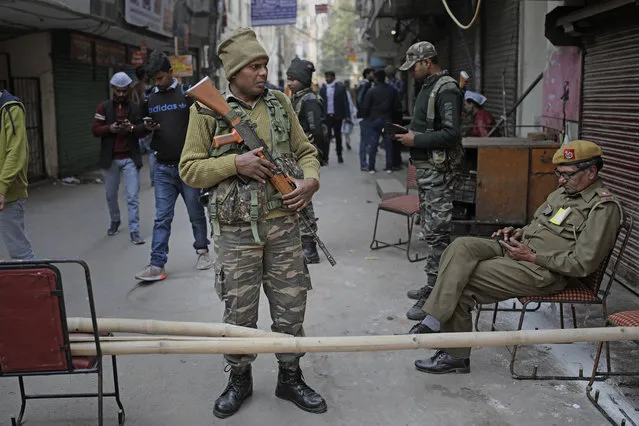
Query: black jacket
{"points": [[445, 131], [382, 101], [340, 101]]}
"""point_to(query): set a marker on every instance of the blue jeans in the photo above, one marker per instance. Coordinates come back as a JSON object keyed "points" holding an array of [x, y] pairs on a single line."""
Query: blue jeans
{"points": [[13, 231], [168, 186], [374, 131], [131, 175], [363, 143], [145, 147]]}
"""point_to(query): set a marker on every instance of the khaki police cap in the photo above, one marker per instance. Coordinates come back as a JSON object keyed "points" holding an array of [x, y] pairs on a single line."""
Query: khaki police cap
{"points": [[576, 152], [417, 52]]}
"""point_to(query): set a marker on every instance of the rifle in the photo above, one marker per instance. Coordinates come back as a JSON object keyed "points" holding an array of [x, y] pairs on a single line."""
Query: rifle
{"points": [[244, 133]]}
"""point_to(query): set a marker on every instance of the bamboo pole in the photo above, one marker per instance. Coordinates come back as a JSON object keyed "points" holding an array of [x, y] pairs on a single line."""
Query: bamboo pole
{"points": [[177, 328], [361, 343], [77, 338]]}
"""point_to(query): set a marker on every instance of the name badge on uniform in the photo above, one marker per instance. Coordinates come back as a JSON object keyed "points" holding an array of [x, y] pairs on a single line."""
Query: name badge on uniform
{"points": [[547, 210], [560, 216]]}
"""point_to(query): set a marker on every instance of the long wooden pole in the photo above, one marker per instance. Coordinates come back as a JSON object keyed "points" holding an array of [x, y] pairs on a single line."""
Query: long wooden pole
{"points": [[175, 328], [361, 343]]}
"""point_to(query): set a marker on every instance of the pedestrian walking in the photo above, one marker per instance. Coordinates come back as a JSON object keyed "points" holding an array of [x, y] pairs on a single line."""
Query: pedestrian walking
{"points": [[118, 125], [336, 110], [14, 163], [167, 109], [381, 106], [396, 83], [257, 234], [436, 151]]}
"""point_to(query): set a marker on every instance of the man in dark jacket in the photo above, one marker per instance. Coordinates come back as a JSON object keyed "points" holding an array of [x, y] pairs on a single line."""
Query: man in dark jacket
{"points": [[437, 153], [336, 109], [167, 116], [117, 122], [381, 105]]}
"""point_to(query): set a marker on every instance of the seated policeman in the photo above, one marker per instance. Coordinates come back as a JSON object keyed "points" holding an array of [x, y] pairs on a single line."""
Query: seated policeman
{"points": [[570, 235]]}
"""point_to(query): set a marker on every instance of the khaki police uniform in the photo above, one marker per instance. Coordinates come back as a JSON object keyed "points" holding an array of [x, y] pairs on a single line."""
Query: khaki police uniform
{"points": [[568, 246]]}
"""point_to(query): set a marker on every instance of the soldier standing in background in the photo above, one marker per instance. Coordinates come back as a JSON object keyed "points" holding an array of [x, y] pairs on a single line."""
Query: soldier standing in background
{"points": [[257, 233], [436, 151], [308, 108]]}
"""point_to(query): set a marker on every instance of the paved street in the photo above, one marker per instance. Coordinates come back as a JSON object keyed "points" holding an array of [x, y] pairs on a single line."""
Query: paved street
{"points": [[363, 295]]}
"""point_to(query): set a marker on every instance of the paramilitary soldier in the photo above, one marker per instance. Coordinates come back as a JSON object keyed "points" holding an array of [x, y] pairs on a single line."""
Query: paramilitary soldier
{"points": [[436, 151], [257, 234], [308, 108], [571, 233]]}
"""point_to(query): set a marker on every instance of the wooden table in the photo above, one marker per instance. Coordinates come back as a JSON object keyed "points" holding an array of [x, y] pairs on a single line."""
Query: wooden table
{"points": [[513, 177]]}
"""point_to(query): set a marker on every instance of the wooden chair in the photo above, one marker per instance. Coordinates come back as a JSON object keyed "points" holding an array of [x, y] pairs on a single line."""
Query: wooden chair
{"points": [[620, 319], [34, 339], [406, 205], [589, 293]]}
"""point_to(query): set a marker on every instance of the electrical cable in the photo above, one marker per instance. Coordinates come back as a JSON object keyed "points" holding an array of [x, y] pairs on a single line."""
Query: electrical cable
{"points": [[459, 24], [39, 15]]}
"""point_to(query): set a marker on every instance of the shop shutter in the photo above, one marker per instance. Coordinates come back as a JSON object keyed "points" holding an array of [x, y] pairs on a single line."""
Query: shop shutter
{"points": [[462, 42], [79, 88], [610, 117], [500, 38]]}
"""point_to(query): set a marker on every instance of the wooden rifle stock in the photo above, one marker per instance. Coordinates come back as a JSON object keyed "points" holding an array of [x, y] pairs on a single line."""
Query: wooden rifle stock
{"points": [[221, 140], [205, 93]]}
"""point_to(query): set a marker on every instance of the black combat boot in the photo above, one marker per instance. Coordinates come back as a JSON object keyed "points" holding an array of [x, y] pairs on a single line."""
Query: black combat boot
{"points": [[340, 159], [310, 250], [418, 293], [239, 388], [291, 387]]}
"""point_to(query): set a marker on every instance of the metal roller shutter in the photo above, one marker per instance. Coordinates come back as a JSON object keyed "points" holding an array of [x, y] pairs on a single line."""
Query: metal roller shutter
{"points": [[79, 89], [462, 42], [610, 117], [500, 38]]}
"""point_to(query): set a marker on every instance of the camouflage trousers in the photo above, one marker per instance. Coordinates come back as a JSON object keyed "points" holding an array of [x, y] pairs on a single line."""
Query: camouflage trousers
{"points": [[243, 266], [436, 212], [305, 231]]}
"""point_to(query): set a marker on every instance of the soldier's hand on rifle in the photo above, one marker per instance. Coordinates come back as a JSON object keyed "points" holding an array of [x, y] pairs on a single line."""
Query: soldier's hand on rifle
{"points": [[407, 139], [301, 196], [250, 164]]}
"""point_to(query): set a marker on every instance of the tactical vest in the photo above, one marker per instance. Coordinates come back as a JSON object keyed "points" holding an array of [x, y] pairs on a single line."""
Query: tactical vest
{"points": [[231, 201], [443, 160]]}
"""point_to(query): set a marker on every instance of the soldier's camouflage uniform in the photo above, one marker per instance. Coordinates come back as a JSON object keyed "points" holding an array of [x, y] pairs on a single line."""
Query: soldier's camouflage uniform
{"points": [[257, 240], [438, 104]]}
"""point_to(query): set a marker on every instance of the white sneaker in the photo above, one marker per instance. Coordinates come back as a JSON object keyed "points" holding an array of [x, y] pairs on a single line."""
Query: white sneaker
{"points": [[204, 260], [372, 172]]}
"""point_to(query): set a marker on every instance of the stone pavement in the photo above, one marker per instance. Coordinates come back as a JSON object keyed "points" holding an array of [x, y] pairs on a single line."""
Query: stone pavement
{"points": [[363, 295]]}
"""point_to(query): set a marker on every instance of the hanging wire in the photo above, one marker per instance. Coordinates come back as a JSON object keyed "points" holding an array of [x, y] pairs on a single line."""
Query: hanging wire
{"points": [[459, 24]]}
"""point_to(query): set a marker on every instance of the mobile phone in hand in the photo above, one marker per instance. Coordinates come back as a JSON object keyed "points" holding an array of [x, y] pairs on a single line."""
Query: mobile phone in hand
{"points": [[394, 129]]}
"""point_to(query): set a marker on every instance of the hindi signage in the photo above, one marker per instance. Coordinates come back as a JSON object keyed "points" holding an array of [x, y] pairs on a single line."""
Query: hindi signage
{"points": [[273, 12]]}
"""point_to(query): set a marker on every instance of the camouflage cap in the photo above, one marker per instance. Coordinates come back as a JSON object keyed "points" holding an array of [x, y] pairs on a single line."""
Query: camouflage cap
{"points": [[417, 52], [576, 152]]}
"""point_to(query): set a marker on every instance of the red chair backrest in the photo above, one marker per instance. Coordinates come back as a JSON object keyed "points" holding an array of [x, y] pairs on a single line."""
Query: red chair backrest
{"points": [[411, 181], [33, 335]]}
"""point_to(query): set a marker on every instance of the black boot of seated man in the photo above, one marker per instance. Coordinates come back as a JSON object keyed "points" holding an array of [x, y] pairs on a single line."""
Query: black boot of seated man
{"points": [[309, 247], [291, 387], [238, 389]]}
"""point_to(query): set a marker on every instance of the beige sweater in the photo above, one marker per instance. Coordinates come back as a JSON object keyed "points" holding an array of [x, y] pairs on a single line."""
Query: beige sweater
{"points": [[199, 170]]}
